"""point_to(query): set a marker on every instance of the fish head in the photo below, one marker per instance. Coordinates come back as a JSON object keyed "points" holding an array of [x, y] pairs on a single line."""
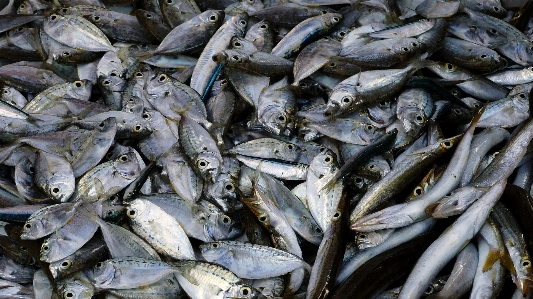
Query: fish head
{"points": [[220, 226], [111, 83], [275, 120], [60, 188], [208, 165], [135, 209], [58, 268], [127, 166], [224, 187], [212, 18], [342, 100], [331, 19], [76, 289], [102, 273], [215, 251], [486, 36], [324, 163], [413, 119], [33, 227], [159, 85], [524, 52], [108, 125], [81, 89], [136, 128]]}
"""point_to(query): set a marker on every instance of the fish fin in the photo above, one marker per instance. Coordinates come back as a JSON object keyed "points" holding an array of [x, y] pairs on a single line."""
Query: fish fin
{"points": [[507, 263], [431, 208], [493, 256]]}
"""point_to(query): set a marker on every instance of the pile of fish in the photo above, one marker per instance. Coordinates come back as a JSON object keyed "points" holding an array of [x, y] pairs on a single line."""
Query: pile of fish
{"points": [[266, 149]]}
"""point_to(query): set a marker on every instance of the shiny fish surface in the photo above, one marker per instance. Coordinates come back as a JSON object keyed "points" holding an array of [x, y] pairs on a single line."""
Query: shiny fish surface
{"points": [[200, 149]]}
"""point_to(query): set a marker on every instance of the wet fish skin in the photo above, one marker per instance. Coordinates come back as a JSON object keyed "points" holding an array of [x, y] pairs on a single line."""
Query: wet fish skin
{"points": [[462, 231], [304, 33], [205, 68]]}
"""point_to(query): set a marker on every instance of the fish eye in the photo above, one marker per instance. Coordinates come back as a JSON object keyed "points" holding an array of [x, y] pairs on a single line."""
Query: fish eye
{"points": [[341, 34], [429, 290], [243, 23], [77, 84], [229, 187], [263, 218], [333, 64], [45, 247], [245, 291], [496, 8], [27, 225], [414, 44], [337, 214], [347, 99], [215, 245], [526, 263], [263, 26], [137, 128], [290, 146], [237, 44], [450, 66], [492, 30], [213, 18], [66, 264], [405, 49], [226, 219], [139, 74], [101, 125], [318, 230], [99, 265], [6, 91], [123, 158], [96, 18], [113, 74], [446, 144], [362, 236], [52, 17], [358, 180], [64, 10], [281, 118], [55, 190], [418, 190], [106, 82], [69, 295], [236, 58], [148, 15], [132, 213], [369, 127], [169, 1], [483, 56], [419, 118], [20, 29], [335, 19], [146, 115], [328, 159], [522, 95], [202, 164], [162, 78]]}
